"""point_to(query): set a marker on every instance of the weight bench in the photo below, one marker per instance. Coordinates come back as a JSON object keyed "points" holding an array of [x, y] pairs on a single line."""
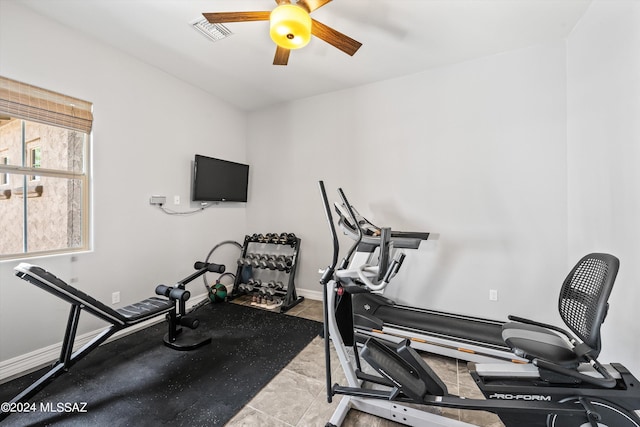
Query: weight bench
{"points": [[119, 319]]}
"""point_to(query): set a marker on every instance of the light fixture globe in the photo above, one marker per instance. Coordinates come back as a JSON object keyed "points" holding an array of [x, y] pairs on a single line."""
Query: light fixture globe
{"points": [[290, 26]]}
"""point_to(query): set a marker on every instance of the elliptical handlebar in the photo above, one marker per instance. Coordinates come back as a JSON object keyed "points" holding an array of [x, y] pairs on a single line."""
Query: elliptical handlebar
{"points": [[365, 270], [383, 272], [327, 276], [328, 273]]}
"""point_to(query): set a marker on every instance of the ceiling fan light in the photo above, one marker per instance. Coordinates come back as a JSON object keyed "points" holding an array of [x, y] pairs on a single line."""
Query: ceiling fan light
{"points": [[290, 26]]}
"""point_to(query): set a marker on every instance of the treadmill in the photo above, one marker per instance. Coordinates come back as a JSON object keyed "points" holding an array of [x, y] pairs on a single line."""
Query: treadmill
{"points": [[463, 337]]}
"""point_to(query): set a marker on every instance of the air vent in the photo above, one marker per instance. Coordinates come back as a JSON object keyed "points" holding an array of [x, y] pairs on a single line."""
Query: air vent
{"points": [[213, 32]]}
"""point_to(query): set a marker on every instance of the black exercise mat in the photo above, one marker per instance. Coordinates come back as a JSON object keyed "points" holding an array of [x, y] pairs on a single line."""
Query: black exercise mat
{"points": [[138, 381]]}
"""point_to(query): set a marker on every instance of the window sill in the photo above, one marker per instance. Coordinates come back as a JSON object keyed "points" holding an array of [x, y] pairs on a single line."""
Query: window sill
{"points": [[32, 191]]}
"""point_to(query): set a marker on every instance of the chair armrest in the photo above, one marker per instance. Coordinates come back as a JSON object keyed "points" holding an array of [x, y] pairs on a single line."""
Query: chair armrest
{"points": [[542, 325]]}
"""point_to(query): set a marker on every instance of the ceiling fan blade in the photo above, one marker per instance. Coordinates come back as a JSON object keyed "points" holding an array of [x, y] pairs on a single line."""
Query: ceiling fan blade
{"points": [[224, 17], [282, 56], [334, 38], [279, 2], [311, 5]]}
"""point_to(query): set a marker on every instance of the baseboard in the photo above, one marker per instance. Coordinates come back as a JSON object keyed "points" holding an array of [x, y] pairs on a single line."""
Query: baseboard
{"points": [[314, 295], [32, 361]]}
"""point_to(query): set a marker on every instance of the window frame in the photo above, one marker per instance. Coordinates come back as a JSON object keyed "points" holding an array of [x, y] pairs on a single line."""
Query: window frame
{"points": [[28, 172], [31, 104]]}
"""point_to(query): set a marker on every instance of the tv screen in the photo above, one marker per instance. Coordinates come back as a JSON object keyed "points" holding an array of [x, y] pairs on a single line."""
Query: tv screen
{"points": [[216, 180]]}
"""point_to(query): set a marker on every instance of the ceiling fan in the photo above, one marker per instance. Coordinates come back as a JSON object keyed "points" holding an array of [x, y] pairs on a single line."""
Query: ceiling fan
{"points": [[291, 27]]}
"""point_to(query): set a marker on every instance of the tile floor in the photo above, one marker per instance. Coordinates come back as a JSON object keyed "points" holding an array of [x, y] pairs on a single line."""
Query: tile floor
{"points": [[297, 395]]}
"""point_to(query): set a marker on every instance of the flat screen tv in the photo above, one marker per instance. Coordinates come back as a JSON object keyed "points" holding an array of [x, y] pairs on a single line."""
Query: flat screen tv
{"points": [[217, 180]]}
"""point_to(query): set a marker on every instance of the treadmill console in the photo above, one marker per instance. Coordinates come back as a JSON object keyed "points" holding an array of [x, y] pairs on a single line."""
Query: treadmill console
{"points": [[371, 234]]}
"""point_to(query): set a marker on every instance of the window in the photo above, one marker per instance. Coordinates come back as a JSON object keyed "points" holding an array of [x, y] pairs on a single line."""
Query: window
{"points": [[44, 181], [35, 156], [4, 177]]}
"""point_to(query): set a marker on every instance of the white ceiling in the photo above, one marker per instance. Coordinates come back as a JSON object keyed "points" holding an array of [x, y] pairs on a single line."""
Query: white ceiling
{"points": [[399, 37]]}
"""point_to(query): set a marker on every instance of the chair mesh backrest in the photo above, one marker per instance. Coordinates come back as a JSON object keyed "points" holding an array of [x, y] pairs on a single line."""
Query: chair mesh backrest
{"points": [[584, 295]]}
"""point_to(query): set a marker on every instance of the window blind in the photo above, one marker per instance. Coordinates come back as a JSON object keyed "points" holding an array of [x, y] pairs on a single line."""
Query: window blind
{"points": [[27, 102]]}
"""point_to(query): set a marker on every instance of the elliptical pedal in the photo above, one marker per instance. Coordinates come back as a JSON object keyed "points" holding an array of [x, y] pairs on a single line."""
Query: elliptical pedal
{"points": [[404, 367]]}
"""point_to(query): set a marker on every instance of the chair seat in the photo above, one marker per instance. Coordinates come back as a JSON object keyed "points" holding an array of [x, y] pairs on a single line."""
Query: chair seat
{"points": [[535, 342]]}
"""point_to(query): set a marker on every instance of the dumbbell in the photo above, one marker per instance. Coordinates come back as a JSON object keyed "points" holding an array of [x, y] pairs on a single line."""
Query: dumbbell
{"points": [[263, 290], [253, 284], [273, 284], [279, 262], [273, 292], [255, 260], [247, 260], [262, 262], [246, 287], [244, 262], [272, 261], [284, 262], [275, 238]]}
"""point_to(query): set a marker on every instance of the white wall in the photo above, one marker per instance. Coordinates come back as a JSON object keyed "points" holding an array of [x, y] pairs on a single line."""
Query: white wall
{"points": [[148, 126], [603, 151], [524, 162], [474, 151]]}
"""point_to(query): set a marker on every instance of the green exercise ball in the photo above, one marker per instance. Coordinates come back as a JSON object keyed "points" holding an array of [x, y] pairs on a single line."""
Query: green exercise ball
{"points": [[218, 292]]}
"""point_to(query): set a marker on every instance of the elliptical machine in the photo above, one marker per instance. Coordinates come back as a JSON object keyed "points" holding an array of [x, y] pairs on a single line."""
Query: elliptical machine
{"points": [[564, 386]]}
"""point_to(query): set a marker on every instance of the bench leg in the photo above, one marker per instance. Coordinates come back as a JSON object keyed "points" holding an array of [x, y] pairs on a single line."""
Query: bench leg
{"points": [[67, 358]]}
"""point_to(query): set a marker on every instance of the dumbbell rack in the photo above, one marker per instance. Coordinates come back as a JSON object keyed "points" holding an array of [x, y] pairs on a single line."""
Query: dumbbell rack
{"points": [[272, 260]]}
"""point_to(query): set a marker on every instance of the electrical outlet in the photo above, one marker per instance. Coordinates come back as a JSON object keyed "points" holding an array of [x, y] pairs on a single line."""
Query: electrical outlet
{"points": [[157, 200], [115, 297], [176, 200], [493, 295]]}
